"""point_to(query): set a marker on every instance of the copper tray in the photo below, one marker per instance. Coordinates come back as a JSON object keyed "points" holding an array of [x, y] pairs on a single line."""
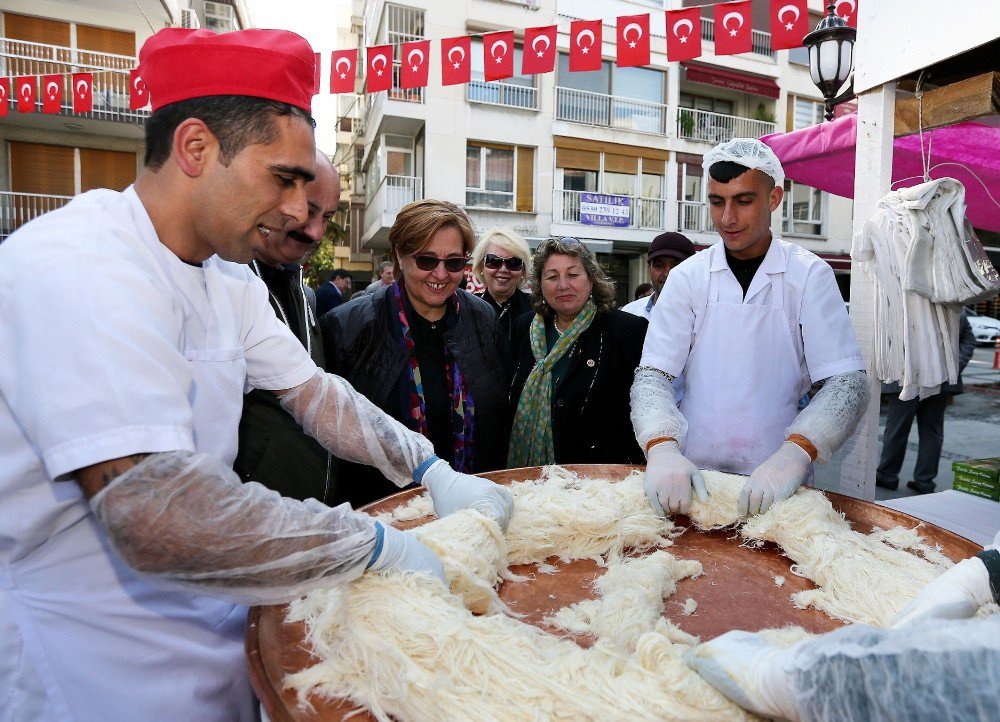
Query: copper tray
{"points": [[737, 591]]}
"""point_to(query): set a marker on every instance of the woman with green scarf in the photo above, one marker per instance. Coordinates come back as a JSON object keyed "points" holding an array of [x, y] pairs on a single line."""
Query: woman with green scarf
{"points": [[573, 361]]}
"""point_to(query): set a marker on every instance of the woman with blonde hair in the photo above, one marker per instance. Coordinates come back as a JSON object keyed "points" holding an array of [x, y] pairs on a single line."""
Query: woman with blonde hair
{"points": [[573, 364], [423, 350], [502, 262]]}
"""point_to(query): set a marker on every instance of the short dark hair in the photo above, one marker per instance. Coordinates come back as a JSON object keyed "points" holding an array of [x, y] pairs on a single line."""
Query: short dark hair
{"points": [[725, 170], [642, 289], [340, 273], [236, 120]]}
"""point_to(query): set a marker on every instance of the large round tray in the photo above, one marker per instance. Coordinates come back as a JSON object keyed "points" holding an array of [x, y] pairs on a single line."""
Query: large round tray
{"points": [[737, 591]]}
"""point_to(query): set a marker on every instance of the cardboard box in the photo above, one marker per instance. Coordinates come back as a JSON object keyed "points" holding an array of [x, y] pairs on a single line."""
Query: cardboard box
{"points": [[980, 477]]}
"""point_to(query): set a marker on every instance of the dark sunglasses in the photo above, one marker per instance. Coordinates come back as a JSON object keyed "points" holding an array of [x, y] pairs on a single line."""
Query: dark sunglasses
{"points": [[494, 262], [451, 265]]}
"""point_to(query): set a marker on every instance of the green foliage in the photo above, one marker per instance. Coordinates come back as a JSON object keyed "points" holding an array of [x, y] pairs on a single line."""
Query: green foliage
{"points": [[322, 261], [686, 119], [764, 114]]}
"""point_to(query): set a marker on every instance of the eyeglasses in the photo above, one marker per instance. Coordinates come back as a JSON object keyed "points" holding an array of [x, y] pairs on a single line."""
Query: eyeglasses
{"points": [[494, 262], [453, 264]]}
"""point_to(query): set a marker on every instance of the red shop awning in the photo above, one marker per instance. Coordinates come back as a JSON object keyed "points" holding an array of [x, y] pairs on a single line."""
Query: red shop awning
{"points": [[732, 79]]}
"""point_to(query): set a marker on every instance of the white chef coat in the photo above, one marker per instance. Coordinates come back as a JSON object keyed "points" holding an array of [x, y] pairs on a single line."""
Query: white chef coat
{"points": [[819, 327], [103, 335], [642, 307]]}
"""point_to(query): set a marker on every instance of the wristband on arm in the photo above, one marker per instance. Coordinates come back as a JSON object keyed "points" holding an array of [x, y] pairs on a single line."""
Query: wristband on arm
{"points": [[657, 440], [806, 445]]}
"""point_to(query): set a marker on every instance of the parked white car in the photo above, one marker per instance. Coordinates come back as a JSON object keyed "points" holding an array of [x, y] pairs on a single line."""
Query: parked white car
{"points": [[985, 328]]}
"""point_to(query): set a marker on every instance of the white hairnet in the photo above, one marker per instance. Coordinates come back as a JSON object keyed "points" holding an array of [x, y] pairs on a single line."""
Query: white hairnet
{"points": [[748, 152]]}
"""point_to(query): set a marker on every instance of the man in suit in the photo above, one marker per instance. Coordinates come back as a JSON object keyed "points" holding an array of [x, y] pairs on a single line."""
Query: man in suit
{"points": [[334, 292]]}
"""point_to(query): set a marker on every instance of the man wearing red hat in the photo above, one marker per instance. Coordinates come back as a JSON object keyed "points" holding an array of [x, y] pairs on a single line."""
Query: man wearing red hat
{"points": [[131, 330]]}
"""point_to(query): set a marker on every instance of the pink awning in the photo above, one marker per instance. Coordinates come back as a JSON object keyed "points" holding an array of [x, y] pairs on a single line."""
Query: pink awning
{"points": [[822, 156]]}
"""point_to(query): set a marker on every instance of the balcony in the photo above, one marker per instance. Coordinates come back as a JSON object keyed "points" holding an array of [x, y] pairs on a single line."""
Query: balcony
{"points": [[694, 216], [717, 128], [111, 81], [393, 192], [644, 213], [760, 41], [16, 209], [506, 94], [609, 111]]}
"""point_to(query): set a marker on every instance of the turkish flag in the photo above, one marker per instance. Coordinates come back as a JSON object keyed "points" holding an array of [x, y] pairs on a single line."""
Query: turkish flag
{"points": [[498, 55], [52, 95], [789, 23], [379, 74], [343, 70], [585, 43], [733, 23], [848, 10], [83, 92], [633, 40], [683, 34], [416, 63], [25, 86], [456, 61], [539, 54], [4, 96], [138, 96], [317, 64]]}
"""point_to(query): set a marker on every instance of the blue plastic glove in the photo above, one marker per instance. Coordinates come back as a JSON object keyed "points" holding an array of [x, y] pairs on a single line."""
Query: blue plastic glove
{"points": [[451, 490], [777, 478], [670, 477], [402, 551]]}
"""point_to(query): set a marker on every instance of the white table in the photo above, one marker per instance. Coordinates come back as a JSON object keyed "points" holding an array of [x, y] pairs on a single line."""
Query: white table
{"points": [[972, 517]]}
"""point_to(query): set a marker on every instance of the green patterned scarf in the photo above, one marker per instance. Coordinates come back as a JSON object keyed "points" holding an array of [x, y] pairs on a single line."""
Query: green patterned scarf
{"points": [[531, 438]]}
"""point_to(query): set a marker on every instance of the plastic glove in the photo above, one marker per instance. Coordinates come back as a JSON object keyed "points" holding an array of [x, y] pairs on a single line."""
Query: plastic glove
{"points": [[451, 490], [402, 551], [669, 478], [750, 671], [956, 594], [777, 478]]}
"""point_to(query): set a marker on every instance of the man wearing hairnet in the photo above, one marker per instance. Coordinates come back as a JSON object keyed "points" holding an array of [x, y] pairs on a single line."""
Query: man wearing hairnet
{"points": [[938, 662], [750, 324]]}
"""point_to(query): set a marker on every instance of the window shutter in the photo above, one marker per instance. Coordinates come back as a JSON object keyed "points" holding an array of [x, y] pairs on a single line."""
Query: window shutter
{"points": [[37, 168], [525, 201]]}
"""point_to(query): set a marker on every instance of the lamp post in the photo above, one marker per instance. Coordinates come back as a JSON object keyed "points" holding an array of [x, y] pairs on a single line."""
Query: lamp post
{"points": [[831, 51]]}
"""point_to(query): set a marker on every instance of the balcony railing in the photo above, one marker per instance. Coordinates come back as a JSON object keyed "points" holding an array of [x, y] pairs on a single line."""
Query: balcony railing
{"points": [[508, 94], [718, 128], [581, 106], [693, 216], [760, 41], [16, 209], [111, 81], [392, 193], [643, 212]]}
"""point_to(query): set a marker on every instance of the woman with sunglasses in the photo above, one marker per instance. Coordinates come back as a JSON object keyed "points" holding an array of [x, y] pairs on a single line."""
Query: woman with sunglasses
{"points": [[423, 350], [574, 359], [501, 262]]}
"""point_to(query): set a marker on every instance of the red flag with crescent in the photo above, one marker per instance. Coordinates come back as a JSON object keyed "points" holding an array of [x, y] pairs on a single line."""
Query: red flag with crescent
{"points": [[138, 96], [4, 96], [83, 92], [415, 58], [733, 25], [633, 41], [789, 23], [585, 42], [847, 10], [52, 87], [378, 74], [456, 60], [683, 34], [539, 54], [343, 70], [498, 55], [25, 85]]}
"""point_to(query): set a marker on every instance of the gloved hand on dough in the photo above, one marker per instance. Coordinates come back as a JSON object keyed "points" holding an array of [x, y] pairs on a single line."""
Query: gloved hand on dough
{"points": [[777, 478], [451, 490], [670, 476], [402, 551]]}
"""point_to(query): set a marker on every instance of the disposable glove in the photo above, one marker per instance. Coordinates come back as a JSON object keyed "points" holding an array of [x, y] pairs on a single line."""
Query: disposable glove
{"points": [[451, 491], [402, 551], [956, 594], [669, 478], [777, 478], [750, 671]]}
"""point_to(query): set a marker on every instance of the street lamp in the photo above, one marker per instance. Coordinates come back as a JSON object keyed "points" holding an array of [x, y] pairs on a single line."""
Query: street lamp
{"points": [[831, 50]]}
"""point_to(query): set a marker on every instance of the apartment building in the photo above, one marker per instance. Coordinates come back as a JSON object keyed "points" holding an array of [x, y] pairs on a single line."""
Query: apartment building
{"points": [[46, 159], [532, 146]]}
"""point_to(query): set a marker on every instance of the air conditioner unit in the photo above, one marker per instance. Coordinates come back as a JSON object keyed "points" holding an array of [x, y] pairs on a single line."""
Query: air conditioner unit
{"points": [[189, 19], [219, 17]]}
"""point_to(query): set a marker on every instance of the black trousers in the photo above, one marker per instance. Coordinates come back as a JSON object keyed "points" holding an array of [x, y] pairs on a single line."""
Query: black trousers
{"points": [[930, 429]]}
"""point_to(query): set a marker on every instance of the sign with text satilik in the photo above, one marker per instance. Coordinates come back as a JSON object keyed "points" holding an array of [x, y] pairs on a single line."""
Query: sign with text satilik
{"points": [[600, 209]]}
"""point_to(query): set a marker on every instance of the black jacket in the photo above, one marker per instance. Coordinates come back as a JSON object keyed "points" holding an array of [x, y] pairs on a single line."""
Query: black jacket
{"points": [[362, 344], [518, 304], [590, 409]]}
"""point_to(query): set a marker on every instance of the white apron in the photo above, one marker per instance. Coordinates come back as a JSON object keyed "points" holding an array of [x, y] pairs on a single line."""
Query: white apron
{"points": [[743, 380]]}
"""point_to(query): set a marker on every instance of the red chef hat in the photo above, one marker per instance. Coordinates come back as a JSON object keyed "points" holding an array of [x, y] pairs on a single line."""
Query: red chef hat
{"points": [[179, 64]]}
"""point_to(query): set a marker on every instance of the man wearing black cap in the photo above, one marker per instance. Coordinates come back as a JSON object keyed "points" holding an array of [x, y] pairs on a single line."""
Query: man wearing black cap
{"points": [[666, 251]]}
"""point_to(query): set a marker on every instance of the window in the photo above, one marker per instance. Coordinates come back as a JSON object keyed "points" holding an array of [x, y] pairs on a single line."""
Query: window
{"points": [[800, 56], [581, 170], [517, 91], [804, 113], [712, 105], [219, 17], [597, 81], [498, 176], [802, 213]]}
